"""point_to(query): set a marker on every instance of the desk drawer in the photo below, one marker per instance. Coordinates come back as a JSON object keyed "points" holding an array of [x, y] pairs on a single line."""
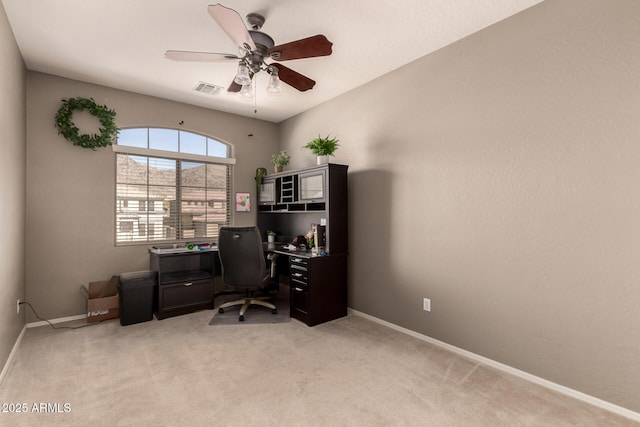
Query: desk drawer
{"points": [[300, 278], [188, 295], [299, 262], [299, 271], [299, 300]]}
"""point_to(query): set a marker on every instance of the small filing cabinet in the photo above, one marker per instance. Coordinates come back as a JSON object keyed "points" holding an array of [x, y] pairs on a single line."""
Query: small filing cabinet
{"points": [[185, 281], [299, 274], [318, 288]]}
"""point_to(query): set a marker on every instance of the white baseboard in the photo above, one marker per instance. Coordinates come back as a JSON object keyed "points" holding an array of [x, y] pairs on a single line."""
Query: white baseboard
{"points": [[627, 413], [54, 321], [12, 355]]}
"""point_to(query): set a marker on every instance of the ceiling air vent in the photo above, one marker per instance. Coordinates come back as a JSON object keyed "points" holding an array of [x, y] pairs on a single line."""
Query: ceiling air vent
{"points": [[207, 88]]}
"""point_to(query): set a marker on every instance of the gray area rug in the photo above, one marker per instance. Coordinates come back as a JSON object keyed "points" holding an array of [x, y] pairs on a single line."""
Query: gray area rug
{"points": [[255, 314]]}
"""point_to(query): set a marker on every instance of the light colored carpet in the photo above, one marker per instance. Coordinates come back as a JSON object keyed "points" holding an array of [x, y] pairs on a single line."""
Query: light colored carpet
{"points": [[349, 372]]}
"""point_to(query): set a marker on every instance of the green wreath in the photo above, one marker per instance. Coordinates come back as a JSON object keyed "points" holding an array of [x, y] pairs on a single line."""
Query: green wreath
{"points": [[68, 129]]}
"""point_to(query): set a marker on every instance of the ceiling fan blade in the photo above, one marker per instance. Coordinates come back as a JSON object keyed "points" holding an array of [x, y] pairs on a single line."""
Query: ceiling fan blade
{"points": [[293, 78], [187, 56], [234, 87], [303, 48], [231, 22]]}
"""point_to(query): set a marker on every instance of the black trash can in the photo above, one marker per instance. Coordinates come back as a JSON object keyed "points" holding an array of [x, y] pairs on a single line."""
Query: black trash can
{"points": [[136, 293]]}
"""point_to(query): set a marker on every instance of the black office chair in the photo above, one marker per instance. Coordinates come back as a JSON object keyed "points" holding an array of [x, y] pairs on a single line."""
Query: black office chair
{"points": [[244, 267]]}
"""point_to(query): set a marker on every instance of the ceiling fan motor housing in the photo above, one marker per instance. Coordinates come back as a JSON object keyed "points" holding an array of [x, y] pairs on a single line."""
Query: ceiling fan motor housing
{"points": [[263, 43]]}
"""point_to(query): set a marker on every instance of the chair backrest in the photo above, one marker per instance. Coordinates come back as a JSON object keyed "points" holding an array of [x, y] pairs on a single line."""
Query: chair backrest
{"points": [[242, 257]]}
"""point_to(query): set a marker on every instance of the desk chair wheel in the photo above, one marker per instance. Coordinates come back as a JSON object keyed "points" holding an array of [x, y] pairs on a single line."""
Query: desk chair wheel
{"points": [[241, 318], [274, 311], [221, 310]]}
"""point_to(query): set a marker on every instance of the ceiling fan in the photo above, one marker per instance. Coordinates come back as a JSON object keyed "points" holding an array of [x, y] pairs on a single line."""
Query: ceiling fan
{"points": [[254, 47]]}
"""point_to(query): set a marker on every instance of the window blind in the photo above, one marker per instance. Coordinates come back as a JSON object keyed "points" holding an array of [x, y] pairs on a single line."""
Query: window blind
{"points": [[170, 199]]}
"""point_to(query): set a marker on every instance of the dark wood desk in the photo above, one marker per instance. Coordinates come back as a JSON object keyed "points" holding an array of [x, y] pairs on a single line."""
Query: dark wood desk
{"points": [[290, 203], [317, 284]]}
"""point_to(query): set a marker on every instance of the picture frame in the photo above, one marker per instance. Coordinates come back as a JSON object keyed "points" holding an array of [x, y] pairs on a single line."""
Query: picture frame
{"points": [[243, 202]]}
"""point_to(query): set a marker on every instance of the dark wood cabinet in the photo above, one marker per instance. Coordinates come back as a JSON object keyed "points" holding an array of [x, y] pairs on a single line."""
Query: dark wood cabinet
{"points": [[291, 203], [185, 281], [318, 288]]}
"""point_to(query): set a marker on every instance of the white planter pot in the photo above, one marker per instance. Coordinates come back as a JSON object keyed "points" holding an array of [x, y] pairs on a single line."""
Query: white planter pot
{"points": [[322, 160]]}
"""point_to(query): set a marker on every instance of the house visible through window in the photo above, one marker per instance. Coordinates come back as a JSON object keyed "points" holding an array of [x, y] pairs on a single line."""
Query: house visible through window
{"points": [[171, 185], [125, 226]]}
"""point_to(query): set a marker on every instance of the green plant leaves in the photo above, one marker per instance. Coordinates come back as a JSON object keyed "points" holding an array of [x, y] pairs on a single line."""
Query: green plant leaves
{"points": [[323, 146], [68, 129]]}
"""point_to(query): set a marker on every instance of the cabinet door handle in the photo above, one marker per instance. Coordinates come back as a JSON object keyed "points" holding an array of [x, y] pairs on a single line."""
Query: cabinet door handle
{"points": [[188, 284]]}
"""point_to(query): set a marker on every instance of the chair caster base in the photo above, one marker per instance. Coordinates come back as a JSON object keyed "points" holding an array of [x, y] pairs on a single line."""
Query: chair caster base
{"points": [[274, 311], [221, 310], [241, 318]]}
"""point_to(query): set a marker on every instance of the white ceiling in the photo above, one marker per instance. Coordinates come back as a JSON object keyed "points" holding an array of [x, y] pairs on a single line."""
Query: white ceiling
{"points": [[121, 43]]}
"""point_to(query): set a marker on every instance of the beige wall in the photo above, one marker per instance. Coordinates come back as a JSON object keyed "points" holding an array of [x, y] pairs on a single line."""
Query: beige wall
{"points": [[12, 187], [499, 177], [71, 190]]}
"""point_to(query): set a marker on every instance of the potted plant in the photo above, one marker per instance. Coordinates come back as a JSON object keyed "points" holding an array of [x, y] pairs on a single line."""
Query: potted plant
{"points": [[280, 160], [260, 173], [322, 148], [271, 236]]}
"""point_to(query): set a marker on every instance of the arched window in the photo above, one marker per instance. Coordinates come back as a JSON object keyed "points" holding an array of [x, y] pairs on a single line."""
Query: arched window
{"points": [[171, 186]]}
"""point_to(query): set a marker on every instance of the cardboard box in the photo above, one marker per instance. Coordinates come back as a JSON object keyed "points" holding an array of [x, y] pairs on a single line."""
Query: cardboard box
{"points": [[102, 300]]}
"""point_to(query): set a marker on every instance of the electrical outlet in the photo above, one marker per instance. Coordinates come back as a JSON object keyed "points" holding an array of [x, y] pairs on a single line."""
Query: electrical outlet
{"points": [[18, 307], [426, 304]]}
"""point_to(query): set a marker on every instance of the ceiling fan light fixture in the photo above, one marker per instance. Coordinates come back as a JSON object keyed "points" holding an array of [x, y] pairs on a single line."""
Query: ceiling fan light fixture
{"points": [[274, 81], [247, 90], [242, 76]]}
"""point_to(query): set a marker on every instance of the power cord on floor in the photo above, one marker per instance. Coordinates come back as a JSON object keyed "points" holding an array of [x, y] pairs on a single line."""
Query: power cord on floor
{"points": [[54, 326]]}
